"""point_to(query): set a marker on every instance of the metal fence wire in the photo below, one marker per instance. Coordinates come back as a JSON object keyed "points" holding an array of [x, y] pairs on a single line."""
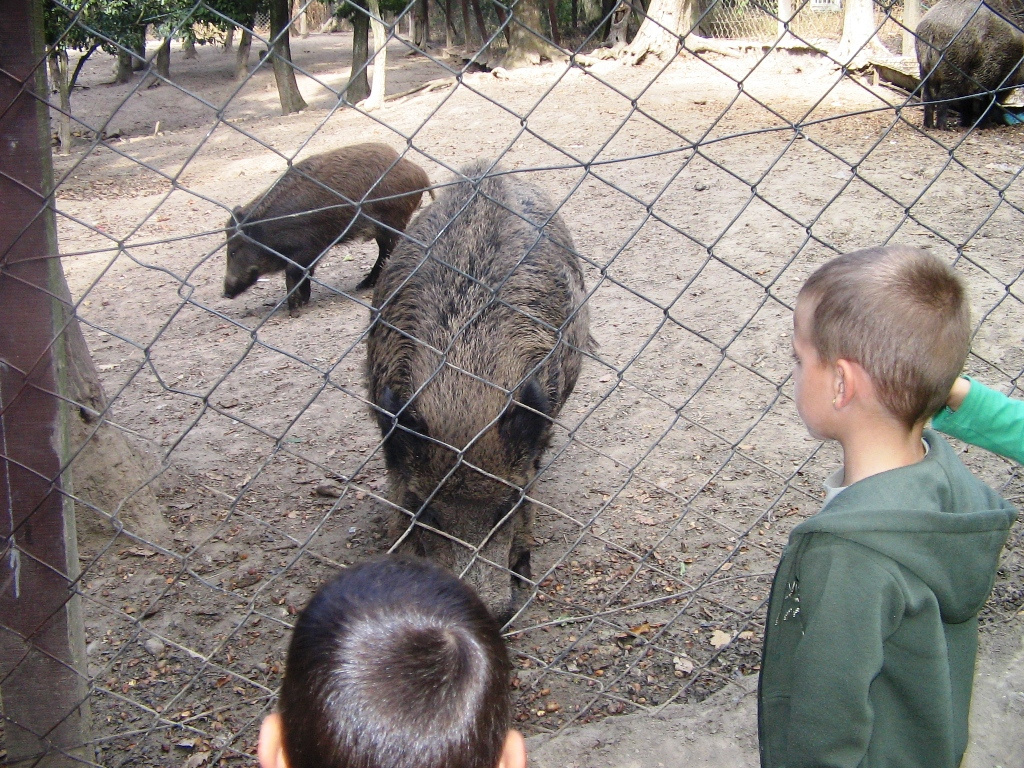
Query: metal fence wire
{"points": [[233, 464]]}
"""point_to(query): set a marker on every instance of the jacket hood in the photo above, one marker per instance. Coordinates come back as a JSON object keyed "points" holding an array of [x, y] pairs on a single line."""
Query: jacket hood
{"points": [[934, 518]]}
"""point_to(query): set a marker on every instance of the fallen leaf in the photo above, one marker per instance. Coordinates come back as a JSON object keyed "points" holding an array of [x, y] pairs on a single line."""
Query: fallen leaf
{"points": [[196, 760], [682, 664], [139, 552], [720, 638]]}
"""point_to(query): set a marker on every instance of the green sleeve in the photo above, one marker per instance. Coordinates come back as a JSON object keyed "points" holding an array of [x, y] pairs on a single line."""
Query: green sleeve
{"points": [[988, 419], [849, 604]]}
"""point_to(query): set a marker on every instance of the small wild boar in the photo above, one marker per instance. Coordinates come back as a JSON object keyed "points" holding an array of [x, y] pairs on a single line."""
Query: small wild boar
{"points": [[969, 53], [361, 191], [477, 339]]}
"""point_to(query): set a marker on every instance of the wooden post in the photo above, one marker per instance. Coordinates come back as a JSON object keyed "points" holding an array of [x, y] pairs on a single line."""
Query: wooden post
{"points": [[785, 16], [43, 675], [911, 17]]}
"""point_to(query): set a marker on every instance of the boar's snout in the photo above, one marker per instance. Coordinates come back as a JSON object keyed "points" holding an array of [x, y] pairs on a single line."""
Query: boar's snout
{"points": [[235, 284]]}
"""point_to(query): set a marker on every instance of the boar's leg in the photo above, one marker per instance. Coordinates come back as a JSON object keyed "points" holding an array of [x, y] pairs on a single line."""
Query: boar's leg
{"points": [[522, 541], [296, 281], [385, 243], [928, 97]]}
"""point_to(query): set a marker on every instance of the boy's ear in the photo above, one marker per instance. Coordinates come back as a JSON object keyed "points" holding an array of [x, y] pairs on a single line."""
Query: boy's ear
{"points": [[271, 747], [851, 382], [514, 753]]}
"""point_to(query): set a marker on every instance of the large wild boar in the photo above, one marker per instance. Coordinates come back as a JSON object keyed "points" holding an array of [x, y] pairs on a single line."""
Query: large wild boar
{"points": [[477, 339], [969, 53], [361, 191]]}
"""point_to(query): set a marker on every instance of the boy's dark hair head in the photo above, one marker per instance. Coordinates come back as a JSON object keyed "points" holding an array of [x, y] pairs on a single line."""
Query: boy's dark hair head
{"points": [[902, 314], [395, 664]]}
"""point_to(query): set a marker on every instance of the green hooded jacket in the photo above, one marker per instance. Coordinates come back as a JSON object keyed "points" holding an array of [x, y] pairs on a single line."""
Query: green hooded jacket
{"points": [[872, 626]]}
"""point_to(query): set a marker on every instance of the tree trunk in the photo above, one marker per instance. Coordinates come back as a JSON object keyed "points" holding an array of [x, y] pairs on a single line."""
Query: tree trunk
{"points": [[139, 60], [358, 88], [161, 65], [284, 73], [163, 59], [502, 15], [590, 10], [478, 14], [59, 79], [528, 46], [666, 22], [43, 666], [421, 15], [380, 58], [467, 30], [229, 40], [123, 69], [242, 54], [300, 11], [618, 25], [860, 35], [553, 22], [449, 25], [48, 384]]}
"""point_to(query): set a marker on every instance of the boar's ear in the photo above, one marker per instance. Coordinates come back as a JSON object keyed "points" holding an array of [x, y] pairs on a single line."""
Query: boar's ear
{"points": [[523, 428], [232, 226], [401, 433]]}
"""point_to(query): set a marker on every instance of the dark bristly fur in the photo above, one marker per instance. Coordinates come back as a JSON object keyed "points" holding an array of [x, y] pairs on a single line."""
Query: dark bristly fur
{"points": [[361, 191], [969, 54], [476, 347]]}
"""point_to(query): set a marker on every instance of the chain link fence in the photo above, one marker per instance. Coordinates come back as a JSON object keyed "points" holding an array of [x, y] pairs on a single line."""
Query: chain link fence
{"points": [[234, 464]]}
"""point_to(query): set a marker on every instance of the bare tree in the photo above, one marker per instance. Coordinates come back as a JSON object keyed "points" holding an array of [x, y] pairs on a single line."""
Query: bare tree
{"points": [[666, 22], [281, 53], [668, 26], [618, 25], [162, 63], [188, 45], [380, 58], [242, 54], [300, 12], [860, 35], [358, 88], [421, 24], [527, 45]]}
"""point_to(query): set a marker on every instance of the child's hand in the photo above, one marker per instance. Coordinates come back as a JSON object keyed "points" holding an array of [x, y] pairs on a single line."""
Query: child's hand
{"points": [[957, 394]]}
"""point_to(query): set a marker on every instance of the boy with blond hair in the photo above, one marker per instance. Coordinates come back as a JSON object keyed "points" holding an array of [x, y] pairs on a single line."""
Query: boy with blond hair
{"points": [[872, 627]]}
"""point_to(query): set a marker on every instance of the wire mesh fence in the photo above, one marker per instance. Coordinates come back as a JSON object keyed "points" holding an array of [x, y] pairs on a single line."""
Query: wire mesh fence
{"points": [[235, 463]]}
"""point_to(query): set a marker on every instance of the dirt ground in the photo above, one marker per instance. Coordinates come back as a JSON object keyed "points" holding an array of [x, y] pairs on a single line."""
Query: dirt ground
{"points": [[700, 194]]}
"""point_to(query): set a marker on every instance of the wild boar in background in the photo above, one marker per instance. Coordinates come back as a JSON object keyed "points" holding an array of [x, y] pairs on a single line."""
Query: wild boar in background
{"points": [[969, 53], [477, 339], [360, 191]]}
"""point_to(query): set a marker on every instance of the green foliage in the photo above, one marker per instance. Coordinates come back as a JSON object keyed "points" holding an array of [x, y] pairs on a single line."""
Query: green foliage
{"points": [[115, 25], [111, 24], [238, 12]]}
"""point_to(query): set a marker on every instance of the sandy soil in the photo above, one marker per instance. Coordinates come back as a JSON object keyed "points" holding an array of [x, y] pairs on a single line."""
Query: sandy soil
{"points": [[679, 464]]}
